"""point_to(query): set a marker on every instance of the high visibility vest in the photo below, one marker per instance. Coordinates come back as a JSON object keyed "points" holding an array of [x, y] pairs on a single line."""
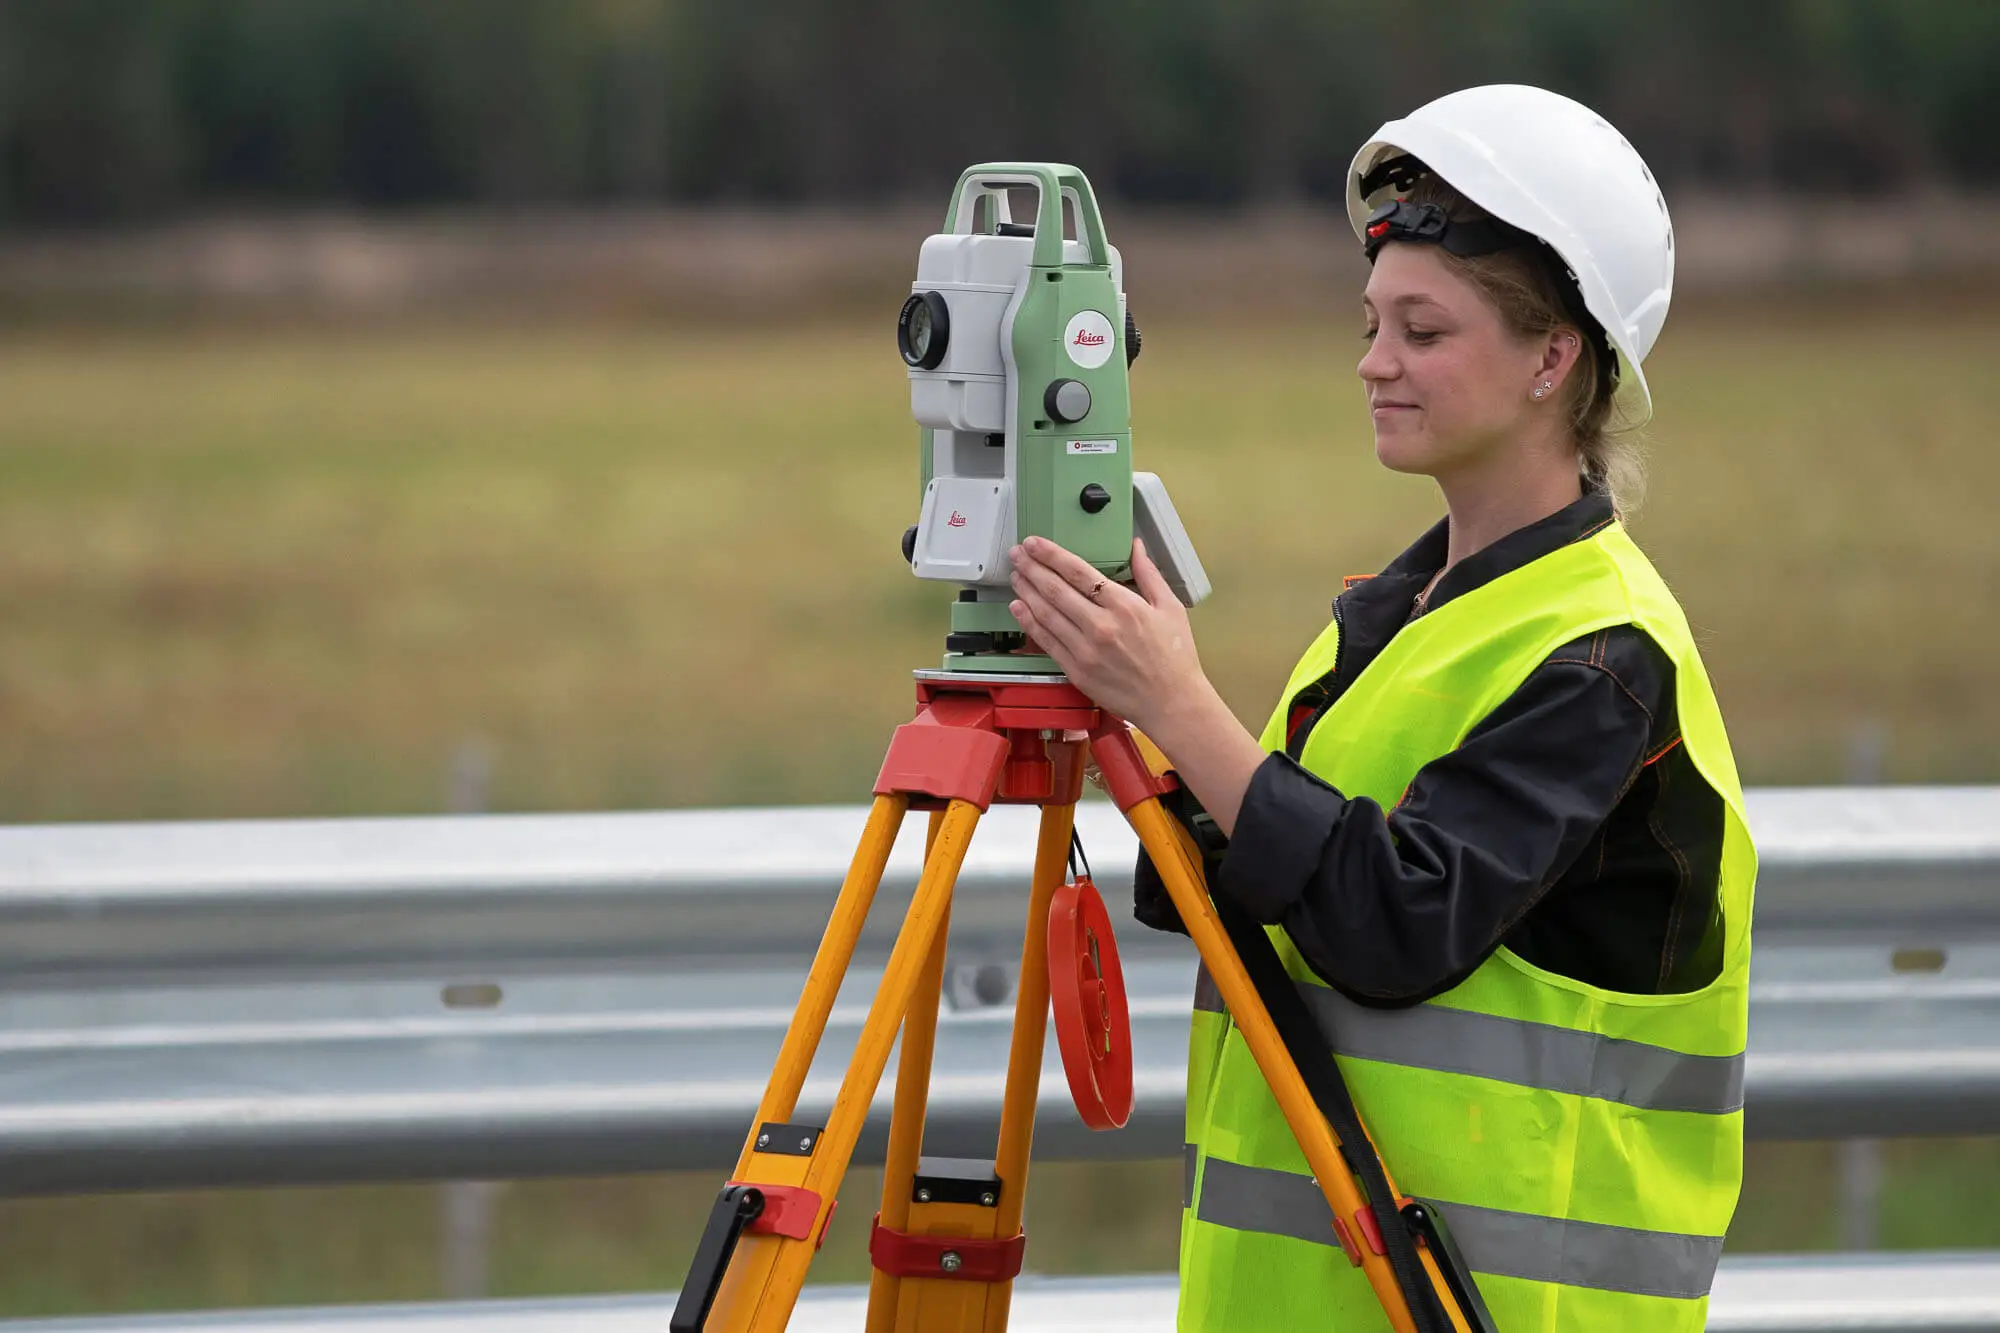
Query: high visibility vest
{"points": [[1584, 1145]]}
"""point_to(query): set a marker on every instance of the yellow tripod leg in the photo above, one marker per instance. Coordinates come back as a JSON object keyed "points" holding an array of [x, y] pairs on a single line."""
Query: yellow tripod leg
{"points": [[906, 1121], [1024, 1057], [966, 1215], [1164, 842], [829, 968], [766, 1269]]}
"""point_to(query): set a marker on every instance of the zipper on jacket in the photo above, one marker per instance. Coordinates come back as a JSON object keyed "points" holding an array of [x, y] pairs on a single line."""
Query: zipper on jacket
{"points": [[1295, 743]]}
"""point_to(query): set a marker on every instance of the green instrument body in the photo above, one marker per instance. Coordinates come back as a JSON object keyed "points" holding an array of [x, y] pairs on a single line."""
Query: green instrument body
{"points": [[1062, 325]]}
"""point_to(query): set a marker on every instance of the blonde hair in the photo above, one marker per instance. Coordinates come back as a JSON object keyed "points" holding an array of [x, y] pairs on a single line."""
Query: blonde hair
{"points": [[1524, 289]]}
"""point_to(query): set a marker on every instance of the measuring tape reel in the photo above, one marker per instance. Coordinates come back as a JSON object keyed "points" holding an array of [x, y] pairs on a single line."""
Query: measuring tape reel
{"points": [[1093, 1021]]}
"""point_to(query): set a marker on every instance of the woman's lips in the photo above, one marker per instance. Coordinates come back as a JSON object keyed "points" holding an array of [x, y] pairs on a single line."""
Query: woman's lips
{"points": [[1385, 406]]}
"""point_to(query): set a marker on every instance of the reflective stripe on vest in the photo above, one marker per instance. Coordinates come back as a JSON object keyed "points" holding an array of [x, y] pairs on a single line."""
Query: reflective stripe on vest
{"points": [[1539, 1249], [1513, 1050]]}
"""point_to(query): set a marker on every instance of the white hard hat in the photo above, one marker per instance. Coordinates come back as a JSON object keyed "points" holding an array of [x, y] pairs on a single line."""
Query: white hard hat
{"points": [[1559, 171]]}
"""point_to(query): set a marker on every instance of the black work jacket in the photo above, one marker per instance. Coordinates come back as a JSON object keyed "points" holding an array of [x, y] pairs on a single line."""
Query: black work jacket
{"points": [[1569, 825]]}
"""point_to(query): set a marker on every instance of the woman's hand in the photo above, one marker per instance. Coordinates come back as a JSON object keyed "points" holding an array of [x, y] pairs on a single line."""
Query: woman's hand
{"points": [[1131, 652]]}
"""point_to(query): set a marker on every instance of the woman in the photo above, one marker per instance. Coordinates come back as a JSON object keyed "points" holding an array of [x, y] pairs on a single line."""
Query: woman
{"points": [[1493, 825]]}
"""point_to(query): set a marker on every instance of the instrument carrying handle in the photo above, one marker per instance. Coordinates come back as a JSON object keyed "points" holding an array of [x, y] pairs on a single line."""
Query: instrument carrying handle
{"points": [[1055, 182]]}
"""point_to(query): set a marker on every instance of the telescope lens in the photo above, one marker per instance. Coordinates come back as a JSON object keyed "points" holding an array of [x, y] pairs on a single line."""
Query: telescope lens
{"points": [[923, 330]]}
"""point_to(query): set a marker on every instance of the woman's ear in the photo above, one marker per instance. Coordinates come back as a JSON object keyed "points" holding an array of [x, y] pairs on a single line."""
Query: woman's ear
{"points": [[1559, 357]]}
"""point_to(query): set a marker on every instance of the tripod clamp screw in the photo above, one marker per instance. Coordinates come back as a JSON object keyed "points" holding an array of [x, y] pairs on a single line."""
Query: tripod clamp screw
{"points": [[763, 1140], [950, 1262], [987, 1200], [923, 1196]]}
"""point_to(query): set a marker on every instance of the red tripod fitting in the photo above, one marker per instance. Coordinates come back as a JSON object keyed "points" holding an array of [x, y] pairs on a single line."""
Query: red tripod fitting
{"points": [[1012, 741], [952, 1258]]}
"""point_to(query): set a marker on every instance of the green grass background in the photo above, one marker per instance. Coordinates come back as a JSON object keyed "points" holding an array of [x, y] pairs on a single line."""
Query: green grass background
{"points": [[291, 571]]}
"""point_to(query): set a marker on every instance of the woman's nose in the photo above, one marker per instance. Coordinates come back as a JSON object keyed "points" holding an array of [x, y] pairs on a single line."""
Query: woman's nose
{"points": [[1377, 363]]}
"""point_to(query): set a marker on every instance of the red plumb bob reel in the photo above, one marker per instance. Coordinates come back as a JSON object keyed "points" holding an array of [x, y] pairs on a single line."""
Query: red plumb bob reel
{"points": [[1087, 996]]}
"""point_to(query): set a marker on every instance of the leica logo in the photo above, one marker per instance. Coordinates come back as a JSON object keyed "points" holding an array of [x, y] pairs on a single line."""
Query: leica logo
{"points": [[957, 520], [1089, 339]]}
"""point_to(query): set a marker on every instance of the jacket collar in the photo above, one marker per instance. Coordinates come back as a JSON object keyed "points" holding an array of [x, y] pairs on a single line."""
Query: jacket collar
{"points": [[1372, 611], [1414, 567]]}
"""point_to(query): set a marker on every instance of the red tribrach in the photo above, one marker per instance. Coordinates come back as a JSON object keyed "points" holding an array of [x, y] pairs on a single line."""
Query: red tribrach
{"points": [[1087, 995]]}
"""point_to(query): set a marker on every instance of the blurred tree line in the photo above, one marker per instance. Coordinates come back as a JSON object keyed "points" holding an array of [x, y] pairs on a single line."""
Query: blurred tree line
{"points": [[119, 110]]}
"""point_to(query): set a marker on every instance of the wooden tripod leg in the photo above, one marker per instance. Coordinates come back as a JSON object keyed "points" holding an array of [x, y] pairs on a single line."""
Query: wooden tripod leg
{"points": [[945, 1256], [767, 1266], [1163, 841], [829, 969], [1024, 1058], [906, 1121]]}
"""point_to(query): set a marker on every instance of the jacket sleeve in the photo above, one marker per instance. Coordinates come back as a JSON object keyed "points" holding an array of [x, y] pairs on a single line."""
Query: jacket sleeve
{"points": [[1393, 908]]}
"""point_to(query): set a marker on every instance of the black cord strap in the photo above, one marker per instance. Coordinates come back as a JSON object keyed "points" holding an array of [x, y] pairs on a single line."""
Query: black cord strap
{"points": [[1311, 1052]]}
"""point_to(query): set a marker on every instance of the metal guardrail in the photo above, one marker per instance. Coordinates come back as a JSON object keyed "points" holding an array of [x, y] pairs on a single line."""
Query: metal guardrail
{"points": [[1829, 1294], [256, 1003]]}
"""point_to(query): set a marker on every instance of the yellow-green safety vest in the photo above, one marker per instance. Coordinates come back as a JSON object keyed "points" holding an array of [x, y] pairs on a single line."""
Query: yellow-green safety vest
{"points": [[1584, 1145]]}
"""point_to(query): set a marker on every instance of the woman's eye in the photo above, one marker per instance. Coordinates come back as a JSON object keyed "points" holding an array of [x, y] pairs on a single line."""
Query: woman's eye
{"points": [[1421, 336], [1368, 335]]}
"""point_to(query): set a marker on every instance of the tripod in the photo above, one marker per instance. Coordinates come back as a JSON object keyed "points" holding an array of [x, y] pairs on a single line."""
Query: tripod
{"points": [[948, 1241]]}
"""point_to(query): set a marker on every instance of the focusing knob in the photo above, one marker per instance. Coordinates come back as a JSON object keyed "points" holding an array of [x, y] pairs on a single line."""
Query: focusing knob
{"points": [[910, 545], [1131, 339], [1067, 401], [1094, 498]]}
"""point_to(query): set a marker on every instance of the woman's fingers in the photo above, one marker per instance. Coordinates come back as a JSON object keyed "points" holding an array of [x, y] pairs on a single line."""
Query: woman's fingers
{"points": [[1061, 591], [1073, 569], [1045, 624]]}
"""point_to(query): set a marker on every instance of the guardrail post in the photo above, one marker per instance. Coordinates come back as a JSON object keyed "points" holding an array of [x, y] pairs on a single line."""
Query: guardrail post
{"points": [[467, 1215], [1861, 1159], [466, 1207]]}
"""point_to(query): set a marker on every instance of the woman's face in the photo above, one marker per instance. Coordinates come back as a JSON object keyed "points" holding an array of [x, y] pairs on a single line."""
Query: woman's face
{"points": [[1448, 384]]}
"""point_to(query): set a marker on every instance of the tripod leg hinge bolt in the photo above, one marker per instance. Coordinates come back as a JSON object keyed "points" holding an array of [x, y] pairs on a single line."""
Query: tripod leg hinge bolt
{"points": [[923, 1196], [987, 1200]]}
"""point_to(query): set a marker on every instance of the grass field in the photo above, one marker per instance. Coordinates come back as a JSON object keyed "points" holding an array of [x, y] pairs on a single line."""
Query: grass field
{"points": [[290, 572], [287, 574]]}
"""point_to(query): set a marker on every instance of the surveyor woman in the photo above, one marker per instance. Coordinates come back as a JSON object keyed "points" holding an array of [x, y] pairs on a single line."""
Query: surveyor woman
{"points": [[1493, 825]]}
